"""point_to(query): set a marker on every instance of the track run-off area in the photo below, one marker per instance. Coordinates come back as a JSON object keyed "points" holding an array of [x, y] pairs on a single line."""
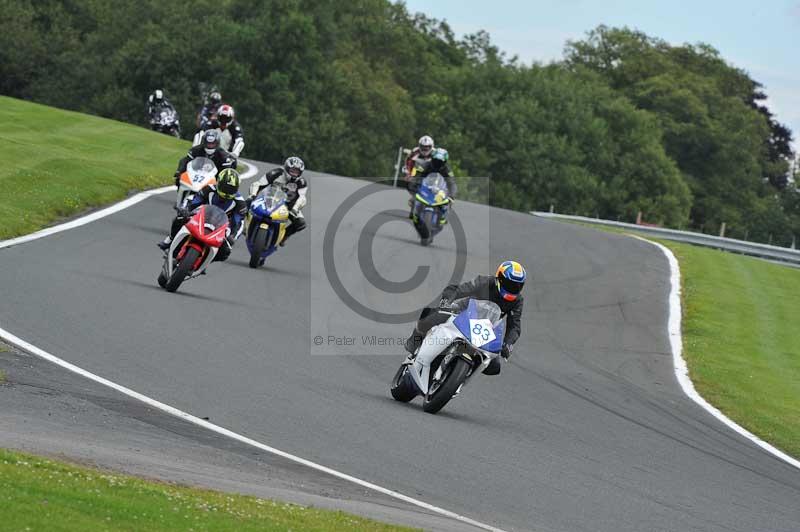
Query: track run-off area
{"points": [[586, 428]]}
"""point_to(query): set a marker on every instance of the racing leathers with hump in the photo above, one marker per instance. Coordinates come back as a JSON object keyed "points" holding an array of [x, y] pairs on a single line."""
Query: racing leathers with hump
{"points": [[230, 129], [290, 179], [209, 148], [503, 289], [225, 195]]}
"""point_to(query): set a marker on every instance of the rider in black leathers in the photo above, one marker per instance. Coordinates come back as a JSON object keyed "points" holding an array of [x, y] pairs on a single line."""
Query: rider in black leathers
{"points": [[157, 102], [208, 148], [483, 287]]}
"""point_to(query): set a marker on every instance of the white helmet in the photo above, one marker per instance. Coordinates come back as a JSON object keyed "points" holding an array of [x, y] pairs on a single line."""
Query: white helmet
{"points": [[425, 145], [157, 96], [294, 166]]}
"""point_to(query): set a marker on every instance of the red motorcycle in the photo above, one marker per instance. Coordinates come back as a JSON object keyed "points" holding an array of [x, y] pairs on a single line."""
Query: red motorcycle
{"points": [[194, 247]]}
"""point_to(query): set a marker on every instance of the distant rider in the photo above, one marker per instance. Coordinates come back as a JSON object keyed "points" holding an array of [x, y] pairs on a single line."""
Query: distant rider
{"points": [[418, 155], [226, 121], [437, 164], [225, 195], [503, 289], [290, 179], [156, 103], [210, 149], [209, 110]]}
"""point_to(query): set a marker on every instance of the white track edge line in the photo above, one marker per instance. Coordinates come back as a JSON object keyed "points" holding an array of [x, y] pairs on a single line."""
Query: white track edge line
{"points": [[102, 213], [682, 370], [32, 349]]}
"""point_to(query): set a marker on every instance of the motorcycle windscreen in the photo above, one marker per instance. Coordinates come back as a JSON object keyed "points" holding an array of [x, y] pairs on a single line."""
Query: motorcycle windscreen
{"points": [[433, 188], [215, 218], [481, 323], [203, 165], [273, 196]]}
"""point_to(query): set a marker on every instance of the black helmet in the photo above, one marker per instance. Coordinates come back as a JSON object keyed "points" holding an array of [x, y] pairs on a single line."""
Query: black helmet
{"points": [[215, 97], [210, 141], [228, 183]]}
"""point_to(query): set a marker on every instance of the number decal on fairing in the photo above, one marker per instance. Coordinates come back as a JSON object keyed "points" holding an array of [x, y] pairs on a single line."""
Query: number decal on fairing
{"points": [[481, 332]]}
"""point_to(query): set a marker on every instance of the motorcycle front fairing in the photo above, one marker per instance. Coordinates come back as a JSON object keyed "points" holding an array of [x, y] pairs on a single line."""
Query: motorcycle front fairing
{"points": [[214, 220], [269, 212], [200, 173], [478, 324]]}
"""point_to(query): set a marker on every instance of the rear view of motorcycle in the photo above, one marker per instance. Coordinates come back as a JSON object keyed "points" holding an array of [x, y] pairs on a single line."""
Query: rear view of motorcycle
{"points": [[429, 210], [194, 246], [451, 354]]}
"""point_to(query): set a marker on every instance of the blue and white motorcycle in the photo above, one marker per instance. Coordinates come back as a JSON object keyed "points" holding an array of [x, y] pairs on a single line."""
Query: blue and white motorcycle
{"points": [[451, 353], [429, 211], [266, 221]]}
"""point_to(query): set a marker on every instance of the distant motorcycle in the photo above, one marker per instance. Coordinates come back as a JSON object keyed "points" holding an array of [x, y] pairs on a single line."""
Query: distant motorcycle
{"points": [[428, 211], [451, 354], [200, 173], [266, 222], [167, 122], [194, 247]]}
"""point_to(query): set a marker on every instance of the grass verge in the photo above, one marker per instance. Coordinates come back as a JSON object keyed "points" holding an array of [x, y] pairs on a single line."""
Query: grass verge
{"points": [[42, 494], [740, 338], [58, 163]]}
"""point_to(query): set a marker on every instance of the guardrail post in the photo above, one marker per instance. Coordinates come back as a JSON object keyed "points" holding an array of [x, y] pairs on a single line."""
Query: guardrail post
{"points": [[639, 218], [552, 208], [722, 230]]}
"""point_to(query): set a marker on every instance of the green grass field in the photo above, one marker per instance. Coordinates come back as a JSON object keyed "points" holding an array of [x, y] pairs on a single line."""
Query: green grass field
{"points": [[57, 163], [42, 494], [740, 339]]}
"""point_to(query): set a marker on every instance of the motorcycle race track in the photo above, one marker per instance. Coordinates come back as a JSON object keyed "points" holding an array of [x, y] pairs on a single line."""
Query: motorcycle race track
{"points": [[585, 429]]}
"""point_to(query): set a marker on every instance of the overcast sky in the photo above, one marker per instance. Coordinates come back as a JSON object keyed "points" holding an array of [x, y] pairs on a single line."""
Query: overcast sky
{"points": [[761, 37]]}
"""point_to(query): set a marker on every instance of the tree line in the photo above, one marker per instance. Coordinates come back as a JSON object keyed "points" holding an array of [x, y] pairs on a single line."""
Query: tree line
{"points": [[624, 123]]}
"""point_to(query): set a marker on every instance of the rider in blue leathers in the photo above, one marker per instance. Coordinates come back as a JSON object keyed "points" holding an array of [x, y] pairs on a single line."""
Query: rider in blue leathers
{"points": [[225, 195]]}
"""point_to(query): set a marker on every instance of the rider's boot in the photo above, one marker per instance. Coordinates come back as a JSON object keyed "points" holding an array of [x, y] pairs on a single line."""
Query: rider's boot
{"points": [[165, 244]]}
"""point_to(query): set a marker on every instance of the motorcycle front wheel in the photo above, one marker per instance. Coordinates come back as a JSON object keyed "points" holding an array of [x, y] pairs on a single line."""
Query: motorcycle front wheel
{"points": [[182, 270], [403, 388], [259, 243], [442, 390]]}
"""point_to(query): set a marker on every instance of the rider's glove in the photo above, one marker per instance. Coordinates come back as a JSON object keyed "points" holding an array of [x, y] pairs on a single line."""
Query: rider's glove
{"points": [[505, 352], [177, 178], [184, 214], [445, 304]]}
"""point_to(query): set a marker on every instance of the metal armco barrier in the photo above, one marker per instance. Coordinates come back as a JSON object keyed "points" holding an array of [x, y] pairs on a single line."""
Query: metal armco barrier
{"points": [[754, 249]]}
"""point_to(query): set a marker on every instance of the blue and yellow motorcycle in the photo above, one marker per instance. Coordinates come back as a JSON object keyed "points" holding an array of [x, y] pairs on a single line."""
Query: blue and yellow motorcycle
{"points": [[431, 204], [266, 221]]}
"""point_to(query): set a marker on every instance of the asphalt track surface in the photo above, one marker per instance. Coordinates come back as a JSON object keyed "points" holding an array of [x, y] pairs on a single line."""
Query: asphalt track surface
{"points": [[586, 428]]}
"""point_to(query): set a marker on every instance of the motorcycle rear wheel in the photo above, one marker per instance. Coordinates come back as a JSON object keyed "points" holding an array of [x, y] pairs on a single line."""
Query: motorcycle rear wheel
{"points": [[259, 243], [441, 395], [182, 270]]}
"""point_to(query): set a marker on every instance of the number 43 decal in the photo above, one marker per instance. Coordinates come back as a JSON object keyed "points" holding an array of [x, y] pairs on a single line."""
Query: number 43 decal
{"points": [[481, 332]]}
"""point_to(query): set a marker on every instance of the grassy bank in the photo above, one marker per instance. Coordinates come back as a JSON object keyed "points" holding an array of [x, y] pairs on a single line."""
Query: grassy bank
{"points": [[41, 494], [57, 163], [740, 339]]}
